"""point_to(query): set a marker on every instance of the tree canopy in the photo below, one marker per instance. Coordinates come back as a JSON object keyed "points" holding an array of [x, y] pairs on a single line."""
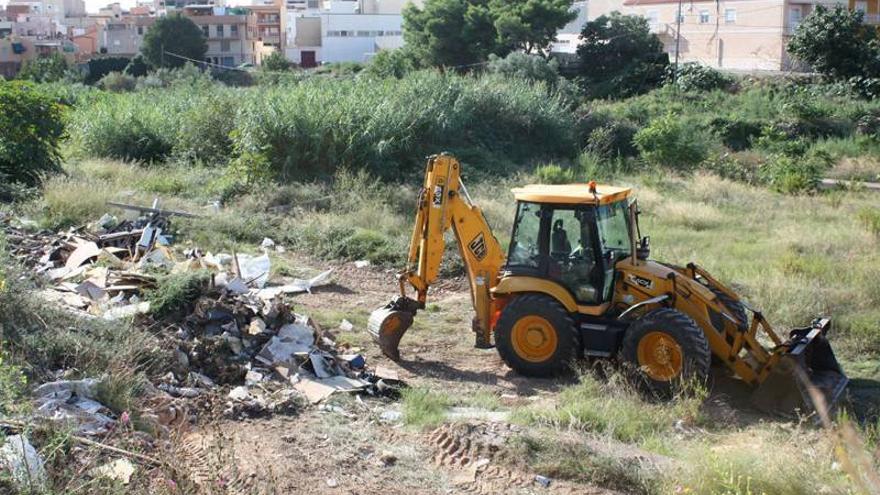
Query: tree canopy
{"points": [[620, 57], [836, 43], [463, 32], [50, 68], [176, 34]]}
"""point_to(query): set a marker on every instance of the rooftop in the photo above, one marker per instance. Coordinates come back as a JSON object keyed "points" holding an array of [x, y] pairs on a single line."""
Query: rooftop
{"points": [[570, 194]]}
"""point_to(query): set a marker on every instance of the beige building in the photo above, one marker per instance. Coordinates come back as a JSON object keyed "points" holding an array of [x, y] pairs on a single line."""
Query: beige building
{"points": [[745, 35], [228, 44]]}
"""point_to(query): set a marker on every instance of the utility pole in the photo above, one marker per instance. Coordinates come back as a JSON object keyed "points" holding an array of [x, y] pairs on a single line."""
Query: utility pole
{"points": [[677, 41]]}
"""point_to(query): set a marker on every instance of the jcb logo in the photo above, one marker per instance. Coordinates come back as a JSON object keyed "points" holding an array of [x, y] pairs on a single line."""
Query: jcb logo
{"points": [[478, 247]]}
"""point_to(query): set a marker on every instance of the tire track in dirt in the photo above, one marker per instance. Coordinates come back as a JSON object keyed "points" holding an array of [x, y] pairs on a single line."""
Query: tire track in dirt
{"points": [[202, 459], [476, 453]]}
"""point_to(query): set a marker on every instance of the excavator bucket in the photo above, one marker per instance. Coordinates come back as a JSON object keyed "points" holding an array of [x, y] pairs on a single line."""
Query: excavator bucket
{"points": [[388, 324], [808, 369]]}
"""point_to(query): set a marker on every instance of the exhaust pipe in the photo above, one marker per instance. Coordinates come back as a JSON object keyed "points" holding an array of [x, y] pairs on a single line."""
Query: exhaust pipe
{"points": [[807, 364]]}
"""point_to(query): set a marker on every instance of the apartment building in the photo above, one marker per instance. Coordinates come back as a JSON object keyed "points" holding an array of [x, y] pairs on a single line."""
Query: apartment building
{"points": [[124, 36], [869, 8], [226, 33], [266, 29], [747, 35]]}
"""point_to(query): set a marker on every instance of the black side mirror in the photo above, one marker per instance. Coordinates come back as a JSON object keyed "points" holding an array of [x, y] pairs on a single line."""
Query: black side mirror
{"points": [[644, 249]]}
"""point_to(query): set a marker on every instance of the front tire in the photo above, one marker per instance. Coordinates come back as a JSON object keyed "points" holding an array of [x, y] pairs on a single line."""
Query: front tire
{"points": [[667, 350], [536, 336]]}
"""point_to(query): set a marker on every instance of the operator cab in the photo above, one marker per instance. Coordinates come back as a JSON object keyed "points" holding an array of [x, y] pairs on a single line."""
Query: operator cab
{"points": [[571, 234]]}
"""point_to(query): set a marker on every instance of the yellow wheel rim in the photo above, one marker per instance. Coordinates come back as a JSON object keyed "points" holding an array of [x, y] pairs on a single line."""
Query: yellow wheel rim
{"points": [[534, 339], [660, 356]]}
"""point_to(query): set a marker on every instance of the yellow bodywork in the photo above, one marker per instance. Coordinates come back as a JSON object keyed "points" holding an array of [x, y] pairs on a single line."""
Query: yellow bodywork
{"points": [[571, 194]]}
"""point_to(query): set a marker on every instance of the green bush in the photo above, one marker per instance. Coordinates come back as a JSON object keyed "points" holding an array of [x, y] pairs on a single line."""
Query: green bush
{"points": [[613, 140], [51, 68], [672, 142], [31, 128], [737, 133], [698, 77], [554, 174], [118, 82], [176, 293], [100, 67], [393, 63], [870, 217], [792, 175]]}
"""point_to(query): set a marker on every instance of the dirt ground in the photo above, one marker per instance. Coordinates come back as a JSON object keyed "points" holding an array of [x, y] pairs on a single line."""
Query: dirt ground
{"points": [[345, 446]]}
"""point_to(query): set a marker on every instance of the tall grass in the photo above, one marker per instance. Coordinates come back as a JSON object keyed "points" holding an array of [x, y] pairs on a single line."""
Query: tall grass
{"points": [[317, 126]]}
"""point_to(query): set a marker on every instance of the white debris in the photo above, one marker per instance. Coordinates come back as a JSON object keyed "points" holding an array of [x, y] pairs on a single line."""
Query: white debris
{"points": [[74, 401], [127, 311], [391, 416], [362, 263], [23, 464], [237, 286], [118, 470], [240, 393], [296, 286], [346, 326], [254, 269], [292, 338], [267, 243]]}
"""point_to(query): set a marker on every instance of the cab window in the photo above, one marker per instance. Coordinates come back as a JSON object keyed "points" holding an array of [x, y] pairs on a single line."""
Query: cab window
{"points": [[524, 251]]}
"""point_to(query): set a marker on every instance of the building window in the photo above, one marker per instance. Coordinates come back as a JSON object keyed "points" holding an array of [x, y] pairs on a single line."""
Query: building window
{"points": [[704, 17], [729, 16], [224, 45], [233, 31], [862, 6], [227, 61], [219, 30], [363, 34], [794, 16], [205, 31], [140, 30]]}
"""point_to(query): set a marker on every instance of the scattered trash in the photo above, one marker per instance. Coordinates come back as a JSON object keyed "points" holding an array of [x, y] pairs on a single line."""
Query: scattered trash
{"points": [[119, 470], [459, 413], [543, 481], [267, 243], [391, 416], [73, 401], [346, 326], [362, 263], [332, 483], [23, 463]]}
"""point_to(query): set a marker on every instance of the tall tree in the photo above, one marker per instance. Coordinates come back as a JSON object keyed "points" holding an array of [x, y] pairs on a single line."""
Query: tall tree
{"points": [[620, 57], [450, 32], [50, 68], [175, 34], [836, 43], [530, 25]]}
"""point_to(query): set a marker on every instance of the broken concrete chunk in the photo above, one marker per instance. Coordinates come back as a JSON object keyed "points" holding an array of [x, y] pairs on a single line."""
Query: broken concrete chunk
{"points": [[362, 263], [240, 393], [256, 327], [119, 470], [23, 464], [127, 311]]}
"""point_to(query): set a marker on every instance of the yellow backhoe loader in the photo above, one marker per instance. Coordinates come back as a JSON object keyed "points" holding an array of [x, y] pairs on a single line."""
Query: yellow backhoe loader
{"points": [[577, 281]]}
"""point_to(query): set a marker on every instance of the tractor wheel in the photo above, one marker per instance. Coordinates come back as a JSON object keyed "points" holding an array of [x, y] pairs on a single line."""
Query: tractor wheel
{"points": [[536, 336], [667, 349], [736, 309]]}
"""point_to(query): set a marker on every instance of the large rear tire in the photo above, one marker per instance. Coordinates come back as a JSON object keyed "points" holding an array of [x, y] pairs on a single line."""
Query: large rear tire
{"points": [[536, 336], [667, 351]]}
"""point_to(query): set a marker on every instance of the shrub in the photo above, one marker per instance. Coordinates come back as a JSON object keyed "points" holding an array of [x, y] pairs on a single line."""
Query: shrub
{"points": [[276, 62], [100, 67], [176, 293], [393, 63], [736, 133], [613, 140], [525, 66], [31, 128], [554, 174], [671, 142], [50, 68], [792, 175], [697, 77], [118, 82]]}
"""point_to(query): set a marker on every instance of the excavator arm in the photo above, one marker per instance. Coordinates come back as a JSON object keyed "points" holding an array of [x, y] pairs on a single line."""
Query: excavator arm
{"points": [[443, 205]]}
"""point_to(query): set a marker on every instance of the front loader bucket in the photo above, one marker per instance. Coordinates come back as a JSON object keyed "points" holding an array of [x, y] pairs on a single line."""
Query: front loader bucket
{"points": [[808, 363], [387, 326]]}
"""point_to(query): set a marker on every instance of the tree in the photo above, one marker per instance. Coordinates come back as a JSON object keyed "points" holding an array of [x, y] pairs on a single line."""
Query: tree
{"points": [[276, 62], [836, 43], [447, 33], [30, 128], [50, 68], [176, 35], [530, 25], [393, 63], [620, 57]]}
